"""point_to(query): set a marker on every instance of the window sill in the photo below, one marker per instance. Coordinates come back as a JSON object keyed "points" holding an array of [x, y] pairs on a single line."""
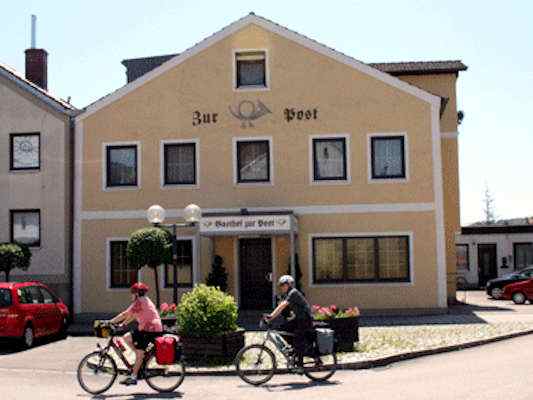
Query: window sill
{"points": [[170, 186], [360, 284], [25, 170], [388, 180], [253, 184], [331, 182], [255, 88], [120, 188]]}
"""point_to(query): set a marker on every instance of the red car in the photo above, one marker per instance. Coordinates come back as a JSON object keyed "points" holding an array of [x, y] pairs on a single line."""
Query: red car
{"points": [[30, 310], [519, 292]]}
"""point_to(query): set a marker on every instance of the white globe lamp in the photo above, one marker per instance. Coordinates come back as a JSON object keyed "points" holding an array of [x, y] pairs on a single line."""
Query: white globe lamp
{"points": [[192, 213], [155, 214]]}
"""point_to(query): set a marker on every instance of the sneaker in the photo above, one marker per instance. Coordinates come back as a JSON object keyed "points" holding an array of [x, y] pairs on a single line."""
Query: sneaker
{"points": [[130, 380]]}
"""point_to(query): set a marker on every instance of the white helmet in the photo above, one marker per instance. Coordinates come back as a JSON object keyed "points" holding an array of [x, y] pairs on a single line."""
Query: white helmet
{"points": [[286, 279]]}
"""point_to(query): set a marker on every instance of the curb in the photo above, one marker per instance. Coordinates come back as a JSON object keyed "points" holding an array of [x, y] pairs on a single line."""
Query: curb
{"points": [[382, 362]]}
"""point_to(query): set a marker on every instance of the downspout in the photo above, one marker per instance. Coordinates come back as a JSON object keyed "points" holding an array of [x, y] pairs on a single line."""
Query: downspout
{"points": [[71, 216]]}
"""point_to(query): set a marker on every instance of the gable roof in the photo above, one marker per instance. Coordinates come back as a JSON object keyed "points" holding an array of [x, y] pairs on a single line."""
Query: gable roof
{"points": [[20, 81], [272, 27], [137, 67]]}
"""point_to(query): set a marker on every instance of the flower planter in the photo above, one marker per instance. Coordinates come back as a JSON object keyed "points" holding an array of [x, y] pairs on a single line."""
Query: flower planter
{"points": [[226, 346], [346, 332], [168, 322]]}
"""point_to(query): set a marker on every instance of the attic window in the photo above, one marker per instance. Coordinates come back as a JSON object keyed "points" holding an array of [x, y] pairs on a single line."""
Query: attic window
{"points": [[250, 69]]}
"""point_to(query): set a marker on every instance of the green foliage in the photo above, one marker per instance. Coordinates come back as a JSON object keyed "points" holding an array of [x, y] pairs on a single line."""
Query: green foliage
{"points": [[14, 255], [149, 246], [206, 311], [218, 277]]}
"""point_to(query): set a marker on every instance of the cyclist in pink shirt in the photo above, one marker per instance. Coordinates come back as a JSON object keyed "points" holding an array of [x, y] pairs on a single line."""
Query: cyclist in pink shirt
{"points": [[145, 313]]}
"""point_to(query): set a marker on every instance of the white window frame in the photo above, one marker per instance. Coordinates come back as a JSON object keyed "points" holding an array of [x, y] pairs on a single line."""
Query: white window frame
{"points": [[108, 264], [196, 142], [312, 236], [237, 139], [105, 145], [405, 155], [195, 266], [348, 179], [234, 70]]}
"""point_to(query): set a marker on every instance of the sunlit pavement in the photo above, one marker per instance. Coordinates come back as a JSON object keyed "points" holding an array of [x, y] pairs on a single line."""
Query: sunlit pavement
{"points": [[488, 372]]}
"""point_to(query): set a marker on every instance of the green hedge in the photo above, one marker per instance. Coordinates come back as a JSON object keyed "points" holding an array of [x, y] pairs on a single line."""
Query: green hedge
{"points": [[206, 311]]}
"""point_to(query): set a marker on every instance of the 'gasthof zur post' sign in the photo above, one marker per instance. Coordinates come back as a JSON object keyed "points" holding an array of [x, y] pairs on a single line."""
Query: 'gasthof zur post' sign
{"points": [[245, 223]]}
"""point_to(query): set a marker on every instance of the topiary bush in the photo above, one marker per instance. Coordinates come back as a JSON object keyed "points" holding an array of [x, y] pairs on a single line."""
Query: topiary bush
{"points": [[14, 255], [206, 311]]}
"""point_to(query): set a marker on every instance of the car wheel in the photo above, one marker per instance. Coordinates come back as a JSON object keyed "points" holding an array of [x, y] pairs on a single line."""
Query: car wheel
{"points": [[28, 338], [519, 298], [496, 293]]}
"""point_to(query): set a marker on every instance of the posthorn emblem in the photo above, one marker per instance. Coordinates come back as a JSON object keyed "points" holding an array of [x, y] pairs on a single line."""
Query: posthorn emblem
{"points": [[246, 111]]}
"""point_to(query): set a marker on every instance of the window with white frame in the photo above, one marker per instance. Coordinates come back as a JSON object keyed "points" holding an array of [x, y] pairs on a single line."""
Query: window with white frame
{"points": [[121, 165], [253, 161], [122, 275], [25, 151], [329, 159], [26, 227], [184, 266], [179, 163], [388, 157], [523, 255], [360, 259], [250, 69]]}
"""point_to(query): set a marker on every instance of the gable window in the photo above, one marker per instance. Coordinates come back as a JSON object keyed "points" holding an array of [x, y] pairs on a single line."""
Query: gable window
{"points": [[179, 163], [329, 159], [523, 255], [361, 259], [185, 265], [388, 157], [461, 256], [25, 151], [26, 227], [250, 69], [121, 274], [253, 161], [121, 165]]}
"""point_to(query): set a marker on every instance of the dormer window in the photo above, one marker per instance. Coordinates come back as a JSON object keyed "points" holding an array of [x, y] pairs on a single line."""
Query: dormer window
{"points": [[250, 67]]}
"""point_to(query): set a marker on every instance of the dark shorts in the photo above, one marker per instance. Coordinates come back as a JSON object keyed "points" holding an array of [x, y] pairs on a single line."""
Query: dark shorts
{"points": [[141, 339]]}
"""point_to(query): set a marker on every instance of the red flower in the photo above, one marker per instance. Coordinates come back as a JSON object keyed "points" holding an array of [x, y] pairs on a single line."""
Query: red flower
{"points": [[172, 308], [164, 308], [334, 309], [315, 308]]}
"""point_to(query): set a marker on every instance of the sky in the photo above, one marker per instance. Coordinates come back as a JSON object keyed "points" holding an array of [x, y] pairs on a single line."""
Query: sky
{"points": [[87, 40]]}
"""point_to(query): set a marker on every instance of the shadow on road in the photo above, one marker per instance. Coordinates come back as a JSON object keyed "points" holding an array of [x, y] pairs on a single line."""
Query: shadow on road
{"points": [[298, 385], [138, 396], [12, 346]]}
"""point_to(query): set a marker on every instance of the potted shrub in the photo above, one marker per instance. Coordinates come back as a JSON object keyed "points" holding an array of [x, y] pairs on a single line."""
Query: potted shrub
{"points": [[167, 312], [207, 324], [14, 255], [344, 322]]}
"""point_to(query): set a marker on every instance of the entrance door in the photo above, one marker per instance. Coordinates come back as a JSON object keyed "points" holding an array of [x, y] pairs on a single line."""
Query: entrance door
{"points": [[487, 262], [255, 257]]}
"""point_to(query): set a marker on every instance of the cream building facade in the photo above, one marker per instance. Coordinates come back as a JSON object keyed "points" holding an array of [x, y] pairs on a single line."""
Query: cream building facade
{"points": [[299, 156], [36, 173]]}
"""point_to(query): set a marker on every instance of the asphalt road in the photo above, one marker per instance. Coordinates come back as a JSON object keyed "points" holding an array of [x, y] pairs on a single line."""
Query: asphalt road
{"points": [[495, 371]]}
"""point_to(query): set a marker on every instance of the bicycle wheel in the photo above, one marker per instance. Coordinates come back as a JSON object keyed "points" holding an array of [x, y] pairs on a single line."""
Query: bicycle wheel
{"points": [[163, 378], [255, 364], [97, 372], [320, 368]]}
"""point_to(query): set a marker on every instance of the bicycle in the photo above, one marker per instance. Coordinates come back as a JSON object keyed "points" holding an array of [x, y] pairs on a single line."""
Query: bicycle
{"points": [[256, 364], [97, 371]]}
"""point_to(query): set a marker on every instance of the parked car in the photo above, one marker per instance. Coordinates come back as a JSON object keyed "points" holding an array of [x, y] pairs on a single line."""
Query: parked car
{"points": [[495, 286], [30, 310], [519, 292]]}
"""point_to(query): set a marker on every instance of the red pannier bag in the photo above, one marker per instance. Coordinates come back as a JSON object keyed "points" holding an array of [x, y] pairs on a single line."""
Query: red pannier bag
{"points": [[165, 347]]}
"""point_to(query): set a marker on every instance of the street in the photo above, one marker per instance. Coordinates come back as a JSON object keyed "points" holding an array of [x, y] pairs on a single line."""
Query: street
{"points": [[487, 372]]}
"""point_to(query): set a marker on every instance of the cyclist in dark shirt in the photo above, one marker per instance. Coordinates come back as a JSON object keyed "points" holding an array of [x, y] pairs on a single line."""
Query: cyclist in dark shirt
{"points": [[302, 324]]}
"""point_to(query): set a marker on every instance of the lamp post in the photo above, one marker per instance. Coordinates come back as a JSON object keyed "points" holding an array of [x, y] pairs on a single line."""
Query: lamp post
{"points": [[156, 216]]}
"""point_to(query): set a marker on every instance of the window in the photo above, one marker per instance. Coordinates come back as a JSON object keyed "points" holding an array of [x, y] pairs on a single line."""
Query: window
{"points": [[5, 298], [461, 257], [523, 255], [30, 295], [253, 161], [250, 69], [388, 157], [179, 163], [121, 274], [25, 151], [48, 298], [185, 266], [26, 227], [329, 159], [121, 166], [361, 259]]}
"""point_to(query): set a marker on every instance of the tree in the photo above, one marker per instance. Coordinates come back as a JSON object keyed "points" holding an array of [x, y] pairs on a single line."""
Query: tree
{"points": [[489, 211], [218, 277], [14, 255], [150, 247]]}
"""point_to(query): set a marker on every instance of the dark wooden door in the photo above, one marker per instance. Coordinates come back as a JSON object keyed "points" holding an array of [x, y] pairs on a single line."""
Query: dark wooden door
{"points": [[255, 256], [487, 262]]}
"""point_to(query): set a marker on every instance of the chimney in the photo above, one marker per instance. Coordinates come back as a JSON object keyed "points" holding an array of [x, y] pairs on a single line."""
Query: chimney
{"points": [[36, 60]]}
